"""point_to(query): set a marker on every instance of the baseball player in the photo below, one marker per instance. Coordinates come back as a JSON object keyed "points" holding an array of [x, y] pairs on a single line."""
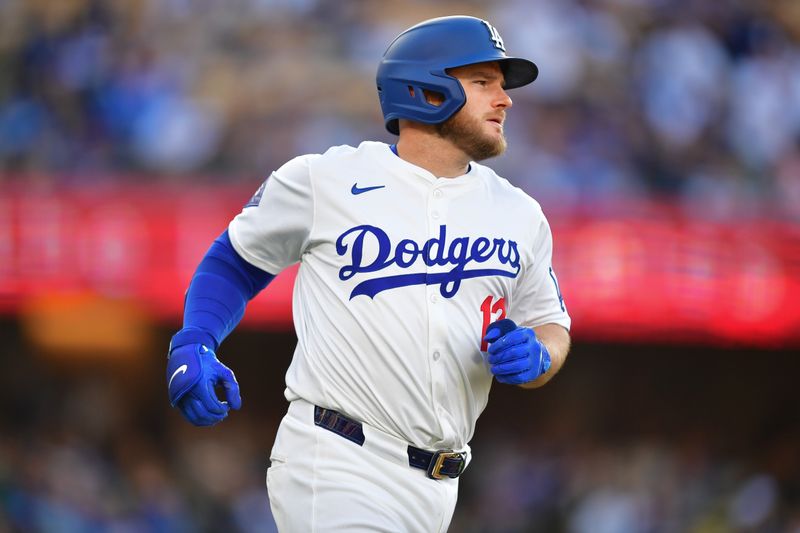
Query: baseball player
{"points": [[423, 278]]}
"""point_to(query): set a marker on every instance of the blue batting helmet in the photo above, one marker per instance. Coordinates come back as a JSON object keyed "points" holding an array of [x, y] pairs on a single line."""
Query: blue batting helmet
{"points": [[418, 60]]}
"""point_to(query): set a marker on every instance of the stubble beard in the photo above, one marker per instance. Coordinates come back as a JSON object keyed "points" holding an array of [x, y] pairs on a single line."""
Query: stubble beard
{"points": [[465, 133]]}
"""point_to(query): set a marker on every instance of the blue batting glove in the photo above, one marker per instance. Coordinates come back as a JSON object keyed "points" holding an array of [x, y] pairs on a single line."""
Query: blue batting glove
{"points": [[516, 356], [192, 373]]}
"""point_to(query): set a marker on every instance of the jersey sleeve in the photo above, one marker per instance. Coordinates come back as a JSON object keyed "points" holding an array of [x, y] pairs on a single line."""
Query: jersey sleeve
{"points": [[538, 300], [273, 229]]}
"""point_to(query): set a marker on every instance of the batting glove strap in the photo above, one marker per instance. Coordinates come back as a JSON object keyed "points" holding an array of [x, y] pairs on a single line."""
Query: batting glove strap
{"points": [[184, 370], [191, 335]]}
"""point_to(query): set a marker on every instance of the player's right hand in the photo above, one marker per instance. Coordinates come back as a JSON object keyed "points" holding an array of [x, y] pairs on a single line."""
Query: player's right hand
{"points": [[193, 371]]}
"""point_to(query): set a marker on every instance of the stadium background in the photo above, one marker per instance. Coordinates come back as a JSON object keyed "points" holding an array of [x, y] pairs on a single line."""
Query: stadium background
{"points": [[662, 138]]}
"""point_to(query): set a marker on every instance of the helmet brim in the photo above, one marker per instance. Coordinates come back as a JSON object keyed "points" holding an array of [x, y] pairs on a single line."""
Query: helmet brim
{"points": [[518, 71]]}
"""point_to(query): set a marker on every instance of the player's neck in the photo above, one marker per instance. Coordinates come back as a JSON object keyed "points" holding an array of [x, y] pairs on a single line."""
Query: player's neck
{"points": [[431, 152]]}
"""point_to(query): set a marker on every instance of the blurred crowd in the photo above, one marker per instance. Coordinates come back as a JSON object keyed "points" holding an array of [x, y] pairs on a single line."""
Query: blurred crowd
{"points": [[85, 449], [691, 100], [684, 99], [214, 481]]}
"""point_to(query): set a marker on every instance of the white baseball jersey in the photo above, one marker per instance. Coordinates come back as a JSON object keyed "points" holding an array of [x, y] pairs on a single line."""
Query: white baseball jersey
{"points": [[400, 273]]}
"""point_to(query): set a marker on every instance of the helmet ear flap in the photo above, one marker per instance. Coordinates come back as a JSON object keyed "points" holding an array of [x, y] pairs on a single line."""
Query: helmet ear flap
{"points": [[403, 97], [422, 98]]}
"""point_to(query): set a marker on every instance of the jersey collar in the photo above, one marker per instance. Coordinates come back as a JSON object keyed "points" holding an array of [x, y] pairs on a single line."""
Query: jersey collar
{"points": [[393, 147]]}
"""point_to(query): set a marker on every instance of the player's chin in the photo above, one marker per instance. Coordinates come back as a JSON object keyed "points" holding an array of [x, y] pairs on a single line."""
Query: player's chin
{"points": [[494, 132], [486, 150], [494, 143]]}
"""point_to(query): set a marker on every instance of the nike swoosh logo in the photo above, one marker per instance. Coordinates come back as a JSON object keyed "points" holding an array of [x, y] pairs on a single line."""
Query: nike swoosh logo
{"points": [[180, 370], [359, 190]]}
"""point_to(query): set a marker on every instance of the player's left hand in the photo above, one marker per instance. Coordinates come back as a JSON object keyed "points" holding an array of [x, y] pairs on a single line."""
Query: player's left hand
{"points": [[516, 356], [193, 371]]}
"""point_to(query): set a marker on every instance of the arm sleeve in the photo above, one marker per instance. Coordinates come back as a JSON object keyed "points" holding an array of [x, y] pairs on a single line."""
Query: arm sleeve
{"points": [[539, 300], [217, 295], [274, 228]]}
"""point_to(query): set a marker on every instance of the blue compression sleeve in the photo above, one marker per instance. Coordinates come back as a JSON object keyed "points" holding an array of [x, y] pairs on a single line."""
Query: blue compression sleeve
{"points": [[218, 294]]}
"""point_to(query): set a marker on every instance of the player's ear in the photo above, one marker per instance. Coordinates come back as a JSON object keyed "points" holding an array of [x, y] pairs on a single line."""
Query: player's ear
{"points": [[434, 98]]}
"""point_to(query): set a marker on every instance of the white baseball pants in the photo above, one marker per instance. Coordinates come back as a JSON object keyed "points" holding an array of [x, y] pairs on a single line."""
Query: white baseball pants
{"points": [[321, 482]]}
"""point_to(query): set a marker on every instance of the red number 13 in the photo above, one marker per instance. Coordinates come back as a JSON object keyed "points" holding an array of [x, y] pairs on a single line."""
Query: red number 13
{"points": [[490, 314]]}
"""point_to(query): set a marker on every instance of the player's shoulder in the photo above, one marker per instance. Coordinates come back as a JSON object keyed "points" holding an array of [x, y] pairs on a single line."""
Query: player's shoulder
{"points": [[330, 167], [365, 149], [297, 166], [341, 155], [306, 163], [500, 188]]}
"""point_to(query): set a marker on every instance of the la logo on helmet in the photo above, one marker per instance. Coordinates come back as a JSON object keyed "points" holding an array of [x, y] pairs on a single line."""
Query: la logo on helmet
{"points": [[495, 36]]}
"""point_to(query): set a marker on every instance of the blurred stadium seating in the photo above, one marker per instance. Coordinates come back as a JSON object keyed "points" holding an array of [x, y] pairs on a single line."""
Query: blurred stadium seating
{"points": [[662, 139]]}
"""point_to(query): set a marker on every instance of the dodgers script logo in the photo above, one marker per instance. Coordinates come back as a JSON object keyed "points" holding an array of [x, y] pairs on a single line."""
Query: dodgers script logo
{"points": [[461, 253]]}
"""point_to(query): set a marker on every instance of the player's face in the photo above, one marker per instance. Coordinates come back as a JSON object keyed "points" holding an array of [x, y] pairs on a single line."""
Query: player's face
{"points": [[477, 128]]}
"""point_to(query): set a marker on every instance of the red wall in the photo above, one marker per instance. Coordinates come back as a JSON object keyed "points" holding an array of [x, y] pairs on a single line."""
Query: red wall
{"points": [[646, 273]]}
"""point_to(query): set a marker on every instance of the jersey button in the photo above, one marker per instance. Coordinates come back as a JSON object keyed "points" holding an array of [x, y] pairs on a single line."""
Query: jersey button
{"points": [[435, 215], [437, 193], [434, 298], [435, 356]]}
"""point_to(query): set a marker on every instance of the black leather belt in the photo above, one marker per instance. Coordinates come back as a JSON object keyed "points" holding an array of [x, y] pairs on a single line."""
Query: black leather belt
{"points": [[438, 464]]}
